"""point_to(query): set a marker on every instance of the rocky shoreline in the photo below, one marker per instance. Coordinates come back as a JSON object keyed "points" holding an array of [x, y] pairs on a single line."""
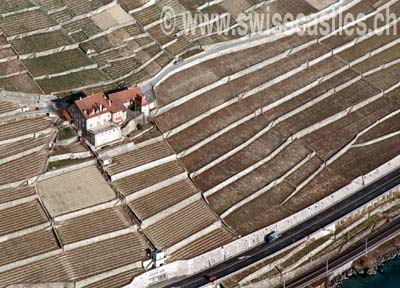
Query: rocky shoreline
{"points": [[370, 264]]}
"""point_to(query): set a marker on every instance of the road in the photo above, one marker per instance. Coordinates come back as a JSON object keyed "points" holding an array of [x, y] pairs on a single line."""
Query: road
{"points": [[348, 255], [148, 85], [41, 111], [294, 234]]}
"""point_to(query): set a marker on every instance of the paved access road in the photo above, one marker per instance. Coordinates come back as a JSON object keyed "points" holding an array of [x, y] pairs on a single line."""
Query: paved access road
{"points": [[147, 86], [295, 234]]}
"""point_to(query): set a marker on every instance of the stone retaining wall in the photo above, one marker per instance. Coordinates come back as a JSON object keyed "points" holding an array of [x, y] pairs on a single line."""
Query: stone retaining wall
{"points": [[80, 155], [202, 262]]}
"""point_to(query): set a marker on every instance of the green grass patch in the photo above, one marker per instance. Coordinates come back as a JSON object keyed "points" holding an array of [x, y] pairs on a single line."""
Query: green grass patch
{"points": [[66, 133], [393, 210], [64, 163], [72, 81], [57, 63], [191, 53], [41, 42], [14, 5]]}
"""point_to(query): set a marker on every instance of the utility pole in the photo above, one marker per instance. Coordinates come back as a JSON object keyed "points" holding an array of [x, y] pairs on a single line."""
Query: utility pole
{"points": [[282, 276], [327, 266]]}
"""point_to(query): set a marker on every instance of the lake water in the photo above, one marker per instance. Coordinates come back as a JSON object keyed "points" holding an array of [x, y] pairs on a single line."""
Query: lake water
{"points": [[388, 278]]}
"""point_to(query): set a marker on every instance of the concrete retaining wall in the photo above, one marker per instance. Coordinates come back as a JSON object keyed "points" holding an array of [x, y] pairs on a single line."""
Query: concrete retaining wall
{"points": [[105, 275], [21, 154], [135, 170], [221, 49], [16, 202], [66, 169], [199, 263], [304, 260], [170, 210], [88, 210], [27, 136], [284, 99], [150, 141], [216, 225], [121, 149], [47, 285], [263, 190], [67, 142], [80, 155], [156, 187], [16, 111]]}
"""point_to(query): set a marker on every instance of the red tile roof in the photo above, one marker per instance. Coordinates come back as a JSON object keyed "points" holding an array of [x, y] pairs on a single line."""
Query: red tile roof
{"points": [[94, 105], [65, 114], [100, 103], [129, 94]]}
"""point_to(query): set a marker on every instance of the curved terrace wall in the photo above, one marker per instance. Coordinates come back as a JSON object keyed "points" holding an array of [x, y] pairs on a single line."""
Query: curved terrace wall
{"points": [[202, 262]]}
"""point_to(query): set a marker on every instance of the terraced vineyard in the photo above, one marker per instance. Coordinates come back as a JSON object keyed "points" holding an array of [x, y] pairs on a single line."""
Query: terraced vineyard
{"points": [[27, 246], [23, 168], [215, 239], [122, 40], [285, 129], [180, 225], [147, 178], [134, 159], [66, 226], [23, 127], [21, 217], [82, 262], [239, 140], [149, 205], [119, 280], [90, 225], [74, 191], [7, 150], [11, 194], [6, 107]]}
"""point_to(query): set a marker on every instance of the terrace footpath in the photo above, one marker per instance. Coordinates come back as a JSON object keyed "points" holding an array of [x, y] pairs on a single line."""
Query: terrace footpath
{"points": [[40, 112], [27, 98], [236, 45]]}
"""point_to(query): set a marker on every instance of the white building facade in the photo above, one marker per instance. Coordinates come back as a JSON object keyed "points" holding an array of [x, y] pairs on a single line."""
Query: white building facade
{"points": [[99, 116]]}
